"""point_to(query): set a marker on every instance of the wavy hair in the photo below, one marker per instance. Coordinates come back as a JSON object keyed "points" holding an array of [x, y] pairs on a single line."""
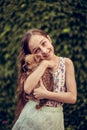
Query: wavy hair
{"points": [[24, 50]]}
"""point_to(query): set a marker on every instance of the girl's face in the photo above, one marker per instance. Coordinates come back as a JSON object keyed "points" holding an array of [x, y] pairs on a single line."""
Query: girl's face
{"points": [[41, 45]]}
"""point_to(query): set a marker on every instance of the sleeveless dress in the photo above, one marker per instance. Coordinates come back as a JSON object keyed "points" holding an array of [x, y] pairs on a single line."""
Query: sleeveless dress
{"points": [[50, 116]]}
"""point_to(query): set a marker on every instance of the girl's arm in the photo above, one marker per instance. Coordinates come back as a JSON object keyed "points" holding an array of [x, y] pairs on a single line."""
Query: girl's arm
{"points": [[66, 97], [34, 78]]}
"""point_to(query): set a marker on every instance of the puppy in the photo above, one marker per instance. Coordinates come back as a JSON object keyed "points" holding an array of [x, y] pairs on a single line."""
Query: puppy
{"points": [[31, 63]]}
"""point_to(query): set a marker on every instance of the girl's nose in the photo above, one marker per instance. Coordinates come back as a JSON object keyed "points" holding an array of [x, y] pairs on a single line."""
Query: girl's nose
{"points": [[43, 50]]}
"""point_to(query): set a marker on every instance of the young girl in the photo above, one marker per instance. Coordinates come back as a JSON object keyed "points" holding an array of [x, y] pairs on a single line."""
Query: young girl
{"points": [[50, 116]]}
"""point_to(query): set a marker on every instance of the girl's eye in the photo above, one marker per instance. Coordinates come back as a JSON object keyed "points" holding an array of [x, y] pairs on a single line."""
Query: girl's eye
{"points": [[36, 51], [43, 43]]}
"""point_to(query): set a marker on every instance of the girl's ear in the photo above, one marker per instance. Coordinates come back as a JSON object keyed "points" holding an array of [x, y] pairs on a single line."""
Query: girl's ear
{"points": [[49, 38]]}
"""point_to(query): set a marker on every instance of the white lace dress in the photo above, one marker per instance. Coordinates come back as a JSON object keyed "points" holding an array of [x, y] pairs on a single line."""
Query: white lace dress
{"points": [[49, 117]]}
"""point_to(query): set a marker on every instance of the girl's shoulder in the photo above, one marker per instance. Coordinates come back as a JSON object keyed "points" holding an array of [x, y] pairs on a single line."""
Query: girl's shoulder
{"points": [[68, 63], [67, 60]]}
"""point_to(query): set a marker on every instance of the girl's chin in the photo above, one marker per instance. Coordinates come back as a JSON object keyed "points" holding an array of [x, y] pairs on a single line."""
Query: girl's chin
{"points": [[47, 57]]}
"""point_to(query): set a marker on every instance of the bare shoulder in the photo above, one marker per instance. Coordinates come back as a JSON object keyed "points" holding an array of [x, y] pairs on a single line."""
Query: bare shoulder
{"points": [[68, 61], [69, 64]]}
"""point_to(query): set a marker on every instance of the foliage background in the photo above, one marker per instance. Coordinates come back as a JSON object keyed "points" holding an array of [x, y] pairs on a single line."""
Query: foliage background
{"points": [[66, 23]]}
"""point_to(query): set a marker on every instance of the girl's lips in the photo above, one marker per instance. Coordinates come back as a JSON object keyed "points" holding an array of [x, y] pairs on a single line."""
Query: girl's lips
{"points": [[47, 55]]}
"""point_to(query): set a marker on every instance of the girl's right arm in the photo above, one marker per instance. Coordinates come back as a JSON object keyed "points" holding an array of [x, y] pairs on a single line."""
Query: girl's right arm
{"points": [[33, 79]]}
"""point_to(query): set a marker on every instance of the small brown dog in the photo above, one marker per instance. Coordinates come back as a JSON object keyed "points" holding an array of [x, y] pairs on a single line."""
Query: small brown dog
{"points": [[31, 63]]}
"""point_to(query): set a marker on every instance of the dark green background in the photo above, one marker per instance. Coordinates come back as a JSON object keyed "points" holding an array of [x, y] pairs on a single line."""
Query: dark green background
{"points": [[66, 23]]}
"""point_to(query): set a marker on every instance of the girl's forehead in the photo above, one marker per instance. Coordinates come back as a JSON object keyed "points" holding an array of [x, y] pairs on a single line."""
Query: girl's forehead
{"points": [[35, 40]]}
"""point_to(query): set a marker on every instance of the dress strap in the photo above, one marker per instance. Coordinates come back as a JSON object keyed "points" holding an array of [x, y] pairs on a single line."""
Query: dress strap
{"points": [[62, 63]]}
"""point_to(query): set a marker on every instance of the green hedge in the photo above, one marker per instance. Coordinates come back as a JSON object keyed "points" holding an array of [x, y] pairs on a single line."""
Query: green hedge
{"points": [[66, 22]]}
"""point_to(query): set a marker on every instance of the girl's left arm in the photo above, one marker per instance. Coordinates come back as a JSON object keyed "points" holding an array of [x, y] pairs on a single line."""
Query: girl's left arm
{"points": [[66, 97]]}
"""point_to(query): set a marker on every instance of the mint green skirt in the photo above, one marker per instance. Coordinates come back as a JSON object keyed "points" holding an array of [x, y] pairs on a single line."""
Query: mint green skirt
{"points": [[46, 118]]}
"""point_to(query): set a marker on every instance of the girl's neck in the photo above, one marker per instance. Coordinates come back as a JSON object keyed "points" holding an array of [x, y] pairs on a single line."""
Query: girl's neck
{"points": [[56, 60]]}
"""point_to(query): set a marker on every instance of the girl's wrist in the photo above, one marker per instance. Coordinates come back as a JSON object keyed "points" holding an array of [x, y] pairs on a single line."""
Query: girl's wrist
{"points": [[44, 62], [47, 94]]}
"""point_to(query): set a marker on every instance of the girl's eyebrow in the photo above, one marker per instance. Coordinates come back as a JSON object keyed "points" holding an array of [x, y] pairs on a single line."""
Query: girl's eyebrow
{"points": [[36, 48], [41, 40]]}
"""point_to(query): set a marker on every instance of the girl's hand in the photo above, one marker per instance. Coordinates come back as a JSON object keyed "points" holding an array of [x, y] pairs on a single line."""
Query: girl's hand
{"points": [[49, 63], [40, 92]]}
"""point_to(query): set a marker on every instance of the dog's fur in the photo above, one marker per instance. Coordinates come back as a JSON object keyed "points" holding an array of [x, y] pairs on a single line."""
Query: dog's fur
{"points": [[31, 63]]}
